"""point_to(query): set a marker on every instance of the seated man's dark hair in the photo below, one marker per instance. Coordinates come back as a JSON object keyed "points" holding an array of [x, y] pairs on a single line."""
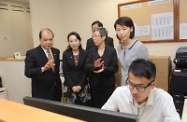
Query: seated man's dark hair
{"points": [[143, 68]]}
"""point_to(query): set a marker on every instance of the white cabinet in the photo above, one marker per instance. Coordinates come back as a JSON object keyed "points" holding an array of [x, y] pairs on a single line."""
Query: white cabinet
{"points": [[3, 93], [6, 38], [13, 79], [15, 31]]}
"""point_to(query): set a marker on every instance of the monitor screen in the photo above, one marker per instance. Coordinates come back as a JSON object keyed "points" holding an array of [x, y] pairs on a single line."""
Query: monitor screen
{"points": [[85, 113]]}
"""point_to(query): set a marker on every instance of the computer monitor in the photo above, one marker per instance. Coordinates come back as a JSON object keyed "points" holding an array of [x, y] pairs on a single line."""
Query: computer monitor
{"points": [[85, 113]]}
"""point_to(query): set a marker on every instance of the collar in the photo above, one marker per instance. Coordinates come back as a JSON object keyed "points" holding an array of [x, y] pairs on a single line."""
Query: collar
{"points": [[131, 45], [150, 100], [46, 50]]}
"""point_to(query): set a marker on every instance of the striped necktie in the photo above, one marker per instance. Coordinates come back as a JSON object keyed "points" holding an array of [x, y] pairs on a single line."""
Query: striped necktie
{"points": [[50, 58]]}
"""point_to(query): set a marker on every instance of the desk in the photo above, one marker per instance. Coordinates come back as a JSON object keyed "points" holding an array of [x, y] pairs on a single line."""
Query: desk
{"points": [[16, 112], [184, 113]]}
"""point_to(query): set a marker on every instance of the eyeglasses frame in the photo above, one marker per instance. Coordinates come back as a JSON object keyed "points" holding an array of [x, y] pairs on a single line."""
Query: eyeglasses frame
{"points": [[135, 86]]}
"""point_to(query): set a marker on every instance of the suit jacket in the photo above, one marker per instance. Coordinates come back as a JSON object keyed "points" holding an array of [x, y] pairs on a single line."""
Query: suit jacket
{"points": [[46, 84], [90, 44], [74, 75], [105, 79]]}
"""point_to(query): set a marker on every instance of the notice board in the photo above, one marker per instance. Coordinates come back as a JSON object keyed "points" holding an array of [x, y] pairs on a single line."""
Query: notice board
{"points": [[156, 21], [183, 20]]}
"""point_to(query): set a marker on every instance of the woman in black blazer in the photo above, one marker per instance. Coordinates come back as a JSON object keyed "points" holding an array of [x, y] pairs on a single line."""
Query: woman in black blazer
{"points": [[101, 64], [74, 59]]}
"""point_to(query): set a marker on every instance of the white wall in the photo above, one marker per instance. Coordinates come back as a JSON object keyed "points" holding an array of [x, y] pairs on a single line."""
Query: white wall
{"points": [[64, 16], [47, 13]]}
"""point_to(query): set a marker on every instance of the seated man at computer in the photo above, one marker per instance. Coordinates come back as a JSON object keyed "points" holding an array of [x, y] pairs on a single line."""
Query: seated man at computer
{"points": [[140, 97]]}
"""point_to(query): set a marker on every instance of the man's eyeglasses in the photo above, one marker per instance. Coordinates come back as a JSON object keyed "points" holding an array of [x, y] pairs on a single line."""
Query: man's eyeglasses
{"points": [[139, 88], [95, 36]]}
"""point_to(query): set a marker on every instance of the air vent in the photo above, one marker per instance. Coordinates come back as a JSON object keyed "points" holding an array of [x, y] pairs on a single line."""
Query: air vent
{"points": [[15, 6], [3, 6], [17, 10]]}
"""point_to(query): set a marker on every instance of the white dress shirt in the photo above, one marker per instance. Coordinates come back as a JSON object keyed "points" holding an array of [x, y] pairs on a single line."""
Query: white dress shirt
{"points": [[46, 53], [158, 108]]}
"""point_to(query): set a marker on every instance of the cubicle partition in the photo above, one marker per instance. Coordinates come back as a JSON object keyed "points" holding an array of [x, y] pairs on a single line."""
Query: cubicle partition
{"points": [[80, 112]]}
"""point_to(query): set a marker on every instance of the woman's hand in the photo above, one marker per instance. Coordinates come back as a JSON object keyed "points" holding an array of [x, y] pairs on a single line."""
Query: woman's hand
{"points": [[101, 70], [76, 89], [98, 63]]}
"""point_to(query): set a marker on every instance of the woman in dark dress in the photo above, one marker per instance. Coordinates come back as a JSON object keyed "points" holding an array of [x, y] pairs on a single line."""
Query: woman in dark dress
{"points": [[74, 59], [101, 65]]}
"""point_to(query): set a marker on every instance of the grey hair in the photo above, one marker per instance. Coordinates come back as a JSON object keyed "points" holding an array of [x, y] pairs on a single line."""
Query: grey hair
{"points": [[102, 31]]}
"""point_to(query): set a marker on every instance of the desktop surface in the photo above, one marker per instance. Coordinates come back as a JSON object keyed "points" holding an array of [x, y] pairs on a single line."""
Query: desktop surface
{"points": [[85, 113], [15, 112]]}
